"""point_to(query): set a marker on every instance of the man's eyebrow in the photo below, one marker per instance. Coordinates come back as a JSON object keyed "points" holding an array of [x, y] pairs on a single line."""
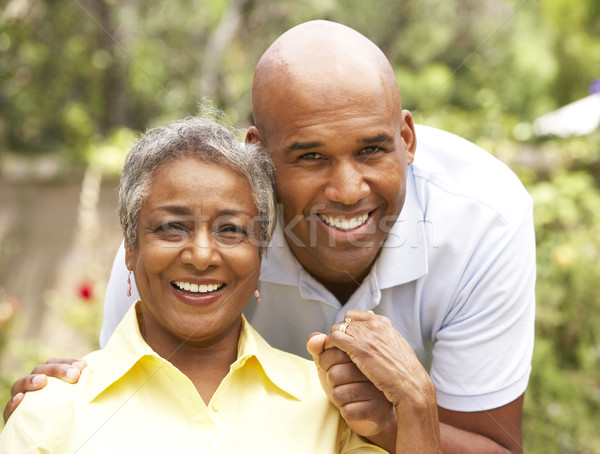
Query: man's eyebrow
{"points": [[303, 146], [378, 138], [381, 137]]}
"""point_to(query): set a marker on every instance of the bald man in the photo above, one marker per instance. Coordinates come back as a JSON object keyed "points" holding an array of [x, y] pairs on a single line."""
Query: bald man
{"points": [[418, 260]]}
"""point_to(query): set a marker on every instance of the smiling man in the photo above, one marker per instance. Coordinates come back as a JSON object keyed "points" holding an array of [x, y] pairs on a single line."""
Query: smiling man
{"points": [[332, 118], [427, 231]]}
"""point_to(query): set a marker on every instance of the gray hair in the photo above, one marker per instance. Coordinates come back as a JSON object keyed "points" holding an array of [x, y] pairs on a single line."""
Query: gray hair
{"points": [[204, 139]]}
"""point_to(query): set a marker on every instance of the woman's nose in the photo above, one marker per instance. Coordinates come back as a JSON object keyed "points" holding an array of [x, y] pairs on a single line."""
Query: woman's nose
{"points": [[201, 251]]}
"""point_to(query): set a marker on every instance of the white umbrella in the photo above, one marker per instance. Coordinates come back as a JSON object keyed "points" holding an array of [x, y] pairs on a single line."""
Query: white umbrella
{"points": [[579, 118]]}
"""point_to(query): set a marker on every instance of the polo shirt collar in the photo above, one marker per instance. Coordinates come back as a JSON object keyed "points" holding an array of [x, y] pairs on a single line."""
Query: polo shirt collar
{"points": [[403, 257], [279, 265], [127, 346]]}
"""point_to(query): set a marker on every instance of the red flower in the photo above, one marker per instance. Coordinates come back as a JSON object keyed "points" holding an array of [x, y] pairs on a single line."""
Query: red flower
{"points": [[85, 290]]}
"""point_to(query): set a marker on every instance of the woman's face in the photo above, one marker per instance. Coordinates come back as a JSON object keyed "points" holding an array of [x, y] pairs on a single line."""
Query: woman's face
{"points": [[196, 260]]}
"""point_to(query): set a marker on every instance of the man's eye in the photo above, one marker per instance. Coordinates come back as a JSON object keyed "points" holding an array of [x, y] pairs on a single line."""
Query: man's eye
{"points": [[310, 156], [370, 150]]}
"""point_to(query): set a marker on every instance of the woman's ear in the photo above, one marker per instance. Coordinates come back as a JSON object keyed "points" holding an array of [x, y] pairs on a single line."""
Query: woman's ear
{"points": [[129, 253]]}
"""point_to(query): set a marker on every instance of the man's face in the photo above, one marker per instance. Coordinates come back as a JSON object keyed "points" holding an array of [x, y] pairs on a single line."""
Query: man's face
{"points": [[341, 176]]}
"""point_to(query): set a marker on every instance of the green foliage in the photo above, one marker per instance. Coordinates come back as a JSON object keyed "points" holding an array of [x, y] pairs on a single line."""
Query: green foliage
{"points": [[108, 153], [563, 400]]}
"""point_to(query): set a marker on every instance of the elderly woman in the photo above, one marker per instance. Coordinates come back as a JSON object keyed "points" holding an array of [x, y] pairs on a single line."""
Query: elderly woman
{"points": [[184, 371]]}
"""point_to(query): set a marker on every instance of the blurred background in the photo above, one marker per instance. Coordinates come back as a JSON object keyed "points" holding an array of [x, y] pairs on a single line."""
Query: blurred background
{"points": [[81, 79]]}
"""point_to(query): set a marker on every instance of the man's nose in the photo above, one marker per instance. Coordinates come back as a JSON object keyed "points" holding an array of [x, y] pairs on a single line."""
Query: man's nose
{"points": [[346, 184]]}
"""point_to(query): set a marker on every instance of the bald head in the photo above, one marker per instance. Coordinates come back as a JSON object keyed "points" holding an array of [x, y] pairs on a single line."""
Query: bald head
{"points": [[319, 60]]}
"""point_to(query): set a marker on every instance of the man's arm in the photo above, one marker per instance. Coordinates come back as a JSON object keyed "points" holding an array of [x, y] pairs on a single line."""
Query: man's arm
{"points": [[384, 358], [497, 430]]}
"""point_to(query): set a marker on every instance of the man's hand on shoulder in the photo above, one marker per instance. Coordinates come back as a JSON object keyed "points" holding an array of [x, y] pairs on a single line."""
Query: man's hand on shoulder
{"points": [[65, 369]]}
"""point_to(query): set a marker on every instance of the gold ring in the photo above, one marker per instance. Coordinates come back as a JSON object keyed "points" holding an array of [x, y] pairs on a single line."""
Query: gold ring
{"points": [[346, 324]]}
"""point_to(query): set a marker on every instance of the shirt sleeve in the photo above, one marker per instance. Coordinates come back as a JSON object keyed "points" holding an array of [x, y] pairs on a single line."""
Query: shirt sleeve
{"points": [[116, 301], [482, 354]]}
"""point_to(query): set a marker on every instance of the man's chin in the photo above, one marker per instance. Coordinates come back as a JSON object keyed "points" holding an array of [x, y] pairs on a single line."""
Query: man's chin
{"points": [[348, 263]]}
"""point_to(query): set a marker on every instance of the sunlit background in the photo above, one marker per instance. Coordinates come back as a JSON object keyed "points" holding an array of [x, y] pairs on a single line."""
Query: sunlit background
{"points": [[81, 79]]}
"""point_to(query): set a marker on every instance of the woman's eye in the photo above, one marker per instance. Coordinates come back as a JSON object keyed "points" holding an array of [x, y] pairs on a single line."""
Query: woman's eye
{"points": [[173, 227], [234, 229], [171, 231], [231, 233]]}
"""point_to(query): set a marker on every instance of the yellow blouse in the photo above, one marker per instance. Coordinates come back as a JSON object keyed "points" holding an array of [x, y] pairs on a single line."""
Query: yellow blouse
{"points": [[130, 400]]}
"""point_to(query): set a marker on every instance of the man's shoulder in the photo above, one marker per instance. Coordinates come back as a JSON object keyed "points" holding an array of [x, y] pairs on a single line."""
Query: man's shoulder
{"points": [[451, 165]]}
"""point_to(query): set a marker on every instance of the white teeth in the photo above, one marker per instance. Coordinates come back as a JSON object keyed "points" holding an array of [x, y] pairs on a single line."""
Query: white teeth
{"points": [[198, 288], [342, 223]]}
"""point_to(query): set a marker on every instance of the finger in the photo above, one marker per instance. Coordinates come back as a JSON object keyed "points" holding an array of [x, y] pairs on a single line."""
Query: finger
{"points": [[342, 374], [361, 316], [367, 418], [12, 405], [79, 363], [364, 332], [368, 410], [29, 383], [341, 326], [357, 392], [315, 345], [67, 372], [332, 356]]}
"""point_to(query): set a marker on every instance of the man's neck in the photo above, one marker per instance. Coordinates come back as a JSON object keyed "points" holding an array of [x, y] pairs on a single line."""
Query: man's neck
{"points": [[342, 286], [342, 291]]}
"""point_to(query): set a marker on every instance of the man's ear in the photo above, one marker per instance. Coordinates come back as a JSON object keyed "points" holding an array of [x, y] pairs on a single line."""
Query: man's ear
{"points": [[253, 136], [409, 137]]}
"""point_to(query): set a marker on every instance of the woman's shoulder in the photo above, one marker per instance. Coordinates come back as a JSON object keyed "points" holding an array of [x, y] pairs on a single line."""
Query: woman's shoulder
{"points": [[42, 420]]}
